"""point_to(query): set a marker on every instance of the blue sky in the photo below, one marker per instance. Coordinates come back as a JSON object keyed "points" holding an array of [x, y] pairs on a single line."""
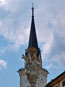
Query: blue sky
{"points": [[15, 21]]}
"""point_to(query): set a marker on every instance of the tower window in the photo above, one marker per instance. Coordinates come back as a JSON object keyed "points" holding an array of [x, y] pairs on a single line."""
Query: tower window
{"points": [[63, 83]]}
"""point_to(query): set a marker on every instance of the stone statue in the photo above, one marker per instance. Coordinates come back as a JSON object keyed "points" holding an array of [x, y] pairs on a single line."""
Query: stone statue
{"points": [[32, 65]]}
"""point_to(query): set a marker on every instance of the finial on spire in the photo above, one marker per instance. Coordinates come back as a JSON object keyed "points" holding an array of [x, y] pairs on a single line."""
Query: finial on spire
{"points": [[32, 10]]}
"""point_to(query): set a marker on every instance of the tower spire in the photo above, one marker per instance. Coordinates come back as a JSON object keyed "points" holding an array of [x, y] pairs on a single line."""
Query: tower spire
{"points": [[33, 37]]}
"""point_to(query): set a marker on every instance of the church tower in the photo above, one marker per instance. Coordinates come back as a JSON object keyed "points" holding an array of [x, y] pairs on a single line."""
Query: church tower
{"points": [[33, 74]]}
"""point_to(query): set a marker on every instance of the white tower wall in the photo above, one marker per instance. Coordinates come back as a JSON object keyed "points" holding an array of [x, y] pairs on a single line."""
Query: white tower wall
{"points": [[42, 81]]}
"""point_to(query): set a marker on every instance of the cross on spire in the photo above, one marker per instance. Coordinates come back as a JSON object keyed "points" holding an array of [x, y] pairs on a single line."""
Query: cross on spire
{"points": [[32, 10]]}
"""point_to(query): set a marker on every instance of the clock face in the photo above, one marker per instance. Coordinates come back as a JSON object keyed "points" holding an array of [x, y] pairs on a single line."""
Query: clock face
{"points": [[32, 50], [25, 79], [41, 79]]}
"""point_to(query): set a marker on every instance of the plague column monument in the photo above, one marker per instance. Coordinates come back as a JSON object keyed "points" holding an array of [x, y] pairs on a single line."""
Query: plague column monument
{"points": [[33, 74], [32, 57]]}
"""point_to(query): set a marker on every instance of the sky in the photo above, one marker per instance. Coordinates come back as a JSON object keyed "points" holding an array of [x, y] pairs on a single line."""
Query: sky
{"points": [[15, 22]]}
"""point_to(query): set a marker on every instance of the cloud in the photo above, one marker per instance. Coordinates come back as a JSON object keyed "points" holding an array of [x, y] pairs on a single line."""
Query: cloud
{"points": [[59, 59], [0, 23], [16, 37], [3, 64], [46, 47], [50, 26], [21, 38], [2, 2], [50, 66], [52, 21]]}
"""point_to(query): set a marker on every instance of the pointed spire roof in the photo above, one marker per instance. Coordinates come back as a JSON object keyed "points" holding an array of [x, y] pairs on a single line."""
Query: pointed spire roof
{"points": [[33, 38]]}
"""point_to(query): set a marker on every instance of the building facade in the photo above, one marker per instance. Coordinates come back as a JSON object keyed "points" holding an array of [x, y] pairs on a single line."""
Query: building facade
{"points": [[34, 50], [42, 81], [59, 81]]}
